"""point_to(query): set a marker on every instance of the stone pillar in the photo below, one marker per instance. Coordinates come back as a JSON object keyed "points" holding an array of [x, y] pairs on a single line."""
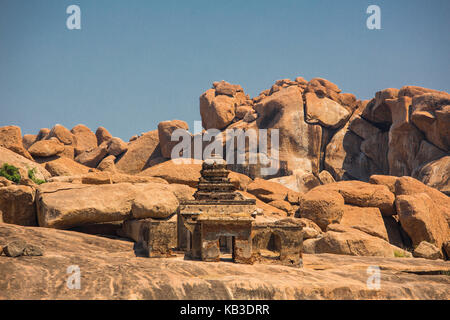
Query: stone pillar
{"points": [[242, 251], [210, 250]]}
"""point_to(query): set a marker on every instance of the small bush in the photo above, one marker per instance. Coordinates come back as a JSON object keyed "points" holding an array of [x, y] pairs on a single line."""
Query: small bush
{"points": [[399, 254], [10, 172], [32, 176]]}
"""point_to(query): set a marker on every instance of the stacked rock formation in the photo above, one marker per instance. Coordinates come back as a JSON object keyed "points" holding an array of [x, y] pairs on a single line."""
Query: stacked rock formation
{"points": [[344, 167]]}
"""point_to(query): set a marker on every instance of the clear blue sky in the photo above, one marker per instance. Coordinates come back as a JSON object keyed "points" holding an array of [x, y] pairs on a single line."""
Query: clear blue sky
{"points": [[135, 63]]}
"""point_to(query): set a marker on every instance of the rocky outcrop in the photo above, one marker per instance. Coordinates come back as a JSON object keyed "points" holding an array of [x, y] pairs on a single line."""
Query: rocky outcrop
{"points": [[142, 153], [102, 135], [17, 205], [63, 205], [436, 174], [11, 139], [12, 158], [108, 164], [325, 111], [431, 114], [28, 140], [422, 219], [325, 136], [106, 178], [62, 134], [46, 148], [349, 241], [175, 172], [165, 130], [427, 251], [218, 105], [368, 220], [116, 272], [299, 142], [92, 157], [267, 191], [363, 195], [86, 139], [65, 167], [300, 181], [323, 208]]}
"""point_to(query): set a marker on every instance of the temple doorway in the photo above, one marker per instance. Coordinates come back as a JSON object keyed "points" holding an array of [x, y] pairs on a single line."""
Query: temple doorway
{"points": [[226, 248]]}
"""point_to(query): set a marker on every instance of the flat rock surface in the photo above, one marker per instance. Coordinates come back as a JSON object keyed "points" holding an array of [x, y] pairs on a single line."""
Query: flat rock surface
{"points": [[112, 269]]}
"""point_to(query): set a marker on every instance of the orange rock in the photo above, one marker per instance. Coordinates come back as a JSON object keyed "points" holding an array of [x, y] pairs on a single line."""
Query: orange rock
{"points": [[174, 172], [299, 141], [267, 190], [423, 219], [362, 194], [11, 138], [323, 208], [165, 130], [46, 148], [86, 139], [368, 220], [431, 114], [142, 153], [65, 167], [102, 135], [325, 111], [62, 134]]}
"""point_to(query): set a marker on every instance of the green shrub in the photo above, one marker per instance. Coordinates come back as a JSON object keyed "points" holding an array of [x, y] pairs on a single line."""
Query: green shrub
{"points": [[32, 176], [10, 172], [399, 254]]}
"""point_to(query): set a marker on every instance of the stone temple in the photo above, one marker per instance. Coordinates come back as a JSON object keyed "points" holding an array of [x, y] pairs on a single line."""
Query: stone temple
{"points": [[217, 214], [219, 224], [220, 220]]}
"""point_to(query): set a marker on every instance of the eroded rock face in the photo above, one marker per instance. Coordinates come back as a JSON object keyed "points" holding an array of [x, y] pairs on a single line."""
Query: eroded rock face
{"points": [[165, 130], [102, 135], [110, 261], [422, 219], [368, 220], [299, 141], [431, 114], [12, 158], [436, 174], [363, 194], [108, 164], [346, 158], [322, 208], [116, 146], [153, 201], [348, 241], [267, 191], [62, 134], [300, 181], [92, 157], [28, 140], [218, 105], [86, 139], [141, 154], [65, 167], [63, 205], [377, 110], [325, 111], [427, 251], [11, 139], [17, 205], [404, 138], [411, 186], [46, 148], [174, 172]]}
